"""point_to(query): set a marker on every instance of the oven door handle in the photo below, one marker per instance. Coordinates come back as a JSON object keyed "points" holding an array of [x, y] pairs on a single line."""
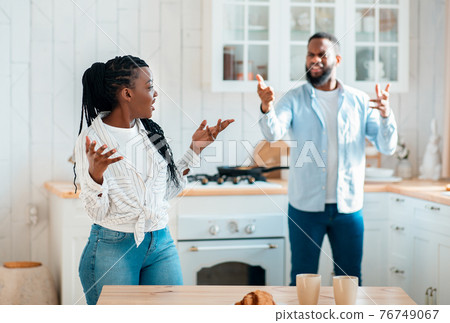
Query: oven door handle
{"points": [[258, 246]]}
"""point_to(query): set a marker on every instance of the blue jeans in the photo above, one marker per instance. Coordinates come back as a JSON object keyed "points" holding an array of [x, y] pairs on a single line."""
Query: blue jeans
{"points": [[111, 258], [345, 233]]}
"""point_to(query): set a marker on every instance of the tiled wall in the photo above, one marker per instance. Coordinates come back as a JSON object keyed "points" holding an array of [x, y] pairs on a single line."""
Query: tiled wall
{"points": [[47, 44]]}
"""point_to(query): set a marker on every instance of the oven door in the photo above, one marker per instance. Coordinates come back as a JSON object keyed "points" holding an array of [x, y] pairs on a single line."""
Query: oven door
{"points": [[232, 262]]}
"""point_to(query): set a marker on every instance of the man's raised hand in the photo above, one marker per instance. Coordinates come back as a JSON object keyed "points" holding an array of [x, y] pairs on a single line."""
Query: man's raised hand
{"points": [[382, 101], [266, 94]]}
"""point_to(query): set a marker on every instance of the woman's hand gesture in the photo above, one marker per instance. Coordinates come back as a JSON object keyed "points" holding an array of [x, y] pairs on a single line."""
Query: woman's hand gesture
{"points": [[203, 137], [99, 162]]}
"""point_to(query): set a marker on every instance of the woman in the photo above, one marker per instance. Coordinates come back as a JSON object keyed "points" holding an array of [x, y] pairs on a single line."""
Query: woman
{"points": [[127, 175]]}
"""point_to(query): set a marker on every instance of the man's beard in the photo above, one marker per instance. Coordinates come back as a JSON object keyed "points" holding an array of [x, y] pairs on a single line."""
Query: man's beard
{"points": [[320, 80]]}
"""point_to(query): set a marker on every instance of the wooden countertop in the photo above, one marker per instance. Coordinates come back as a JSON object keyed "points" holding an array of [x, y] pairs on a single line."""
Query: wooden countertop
{"points": [[421, 189], [228, 295]]}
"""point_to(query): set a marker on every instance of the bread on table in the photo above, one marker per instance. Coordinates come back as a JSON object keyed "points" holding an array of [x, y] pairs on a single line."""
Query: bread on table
{"points": [[258, 297]]}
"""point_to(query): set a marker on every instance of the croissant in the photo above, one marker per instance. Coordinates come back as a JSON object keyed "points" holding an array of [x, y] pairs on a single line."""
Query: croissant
{"points": [[258, 297]]}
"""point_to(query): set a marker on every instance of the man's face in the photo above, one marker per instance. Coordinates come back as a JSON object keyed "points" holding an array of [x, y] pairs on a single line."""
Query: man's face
{"points": [[321, 61]]}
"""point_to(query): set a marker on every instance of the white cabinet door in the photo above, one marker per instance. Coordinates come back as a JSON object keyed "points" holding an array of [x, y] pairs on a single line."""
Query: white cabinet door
{"points": [[377, 44], [423, 264], [71, 289], [399, 268], [374, 263], [443, 270], [243, 42], [69, 231], [375, 255]]}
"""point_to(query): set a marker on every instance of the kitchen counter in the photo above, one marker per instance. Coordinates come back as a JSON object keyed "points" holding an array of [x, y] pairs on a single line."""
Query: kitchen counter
{"points": [[228, 295], [421, 189]]}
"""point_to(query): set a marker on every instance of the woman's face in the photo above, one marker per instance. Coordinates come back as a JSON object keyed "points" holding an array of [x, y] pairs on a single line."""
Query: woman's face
{"points": [[144, 95]]}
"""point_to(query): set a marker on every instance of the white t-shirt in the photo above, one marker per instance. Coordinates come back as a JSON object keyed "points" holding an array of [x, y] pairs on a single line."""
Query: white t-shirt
{"points": [[328, 102], [128, 139]]}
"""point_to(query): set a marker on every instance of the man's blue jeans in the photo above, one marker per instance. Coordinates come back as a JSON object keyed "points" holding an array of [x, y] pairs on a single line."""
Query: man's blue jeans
{"points": [[345, 233], [111, 258]]}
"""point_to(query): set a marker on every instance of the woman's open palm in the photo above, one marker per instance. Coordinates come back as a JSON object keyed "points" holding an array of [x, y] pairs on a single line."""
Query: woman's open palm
{"points": [[205, 135]]}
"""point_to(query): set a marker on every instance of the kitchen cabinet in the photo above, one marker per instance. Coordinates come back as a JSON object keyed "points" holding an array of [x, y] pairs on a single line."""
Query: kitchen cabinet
{"points": [[69, 232], [430, 252], [245, 37], [399, 250]]}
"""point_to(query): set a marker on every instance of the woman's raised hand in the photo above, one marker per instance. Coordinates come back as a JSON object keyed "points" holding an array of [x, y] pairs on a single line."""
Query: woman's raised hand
{"points": [[99, 162], [206, 135]]}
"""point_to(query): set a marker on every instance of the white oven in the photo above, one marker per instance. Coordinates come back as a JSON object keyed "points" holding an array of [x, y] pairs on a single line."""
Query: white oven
{"points": [[231, 240]]}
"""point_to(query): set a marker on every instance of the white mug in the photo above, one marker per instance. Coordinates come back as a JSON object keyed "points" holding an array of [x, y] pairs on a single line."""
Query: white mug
{"points": [[308, 288], [345, 289]]}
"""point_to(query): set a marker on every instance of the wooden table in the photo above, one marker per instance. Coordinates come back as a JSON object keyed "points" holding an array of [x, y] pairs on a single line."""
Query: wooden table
{"points": [[228, 295]]}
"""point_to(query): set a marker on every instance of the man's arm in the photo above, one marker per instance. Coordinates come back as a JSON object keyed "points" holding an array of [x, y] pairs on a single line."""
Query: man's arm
{"points": [[381, 128], [273, 125]]}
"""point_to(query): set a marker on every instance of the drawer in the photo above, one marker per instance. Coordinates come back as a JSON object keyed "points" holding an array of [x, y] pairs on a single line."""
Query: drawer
{"points": [[398, 274], [400, 207], [399, 240], [431, 216]]}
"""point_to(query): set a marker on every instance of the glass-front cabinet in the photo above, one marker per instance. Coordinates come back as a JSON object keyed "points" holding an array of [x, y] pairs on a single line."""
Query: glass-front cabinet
{"points": [[306, 17], [380, 46], [243, 43], [269, 37]]}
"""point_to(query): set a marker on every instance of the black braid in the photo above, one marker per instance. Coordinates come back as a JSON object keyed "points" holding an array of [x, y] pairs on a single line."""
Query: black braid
{"points": [[100, 85]]}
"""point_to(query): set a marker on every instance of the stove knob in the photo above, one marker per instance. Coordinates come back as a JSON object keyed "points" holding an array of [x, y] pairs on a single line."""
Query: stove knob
{"points": [[220, 180], [214, 229], [204, 181], [251, 180], [233, 227], [236, 180], [250, 228]]}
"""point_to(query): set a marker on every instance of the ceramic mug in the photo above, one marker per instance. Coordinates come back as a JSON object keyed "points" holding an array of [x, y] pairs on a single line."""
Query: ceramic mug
{"points": [[345, 289], [308, 288]]}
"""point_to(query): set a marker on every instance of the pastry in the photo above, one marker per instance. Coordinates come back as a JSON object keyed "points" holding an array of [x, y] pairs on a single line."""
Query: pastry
{"points": [[258, 297]]}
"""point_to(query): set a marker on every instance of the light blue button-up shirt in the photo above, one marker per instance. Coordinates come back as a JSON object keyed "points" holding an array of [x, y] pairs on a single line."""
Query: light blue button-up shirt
{"points": [[298, 112]]}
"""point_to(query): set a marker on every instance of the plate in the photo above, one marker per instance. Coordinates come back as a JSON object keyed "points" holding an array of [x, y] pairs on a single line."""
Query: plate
{"points": [[379, 172], [256, 28], [384, 179]]}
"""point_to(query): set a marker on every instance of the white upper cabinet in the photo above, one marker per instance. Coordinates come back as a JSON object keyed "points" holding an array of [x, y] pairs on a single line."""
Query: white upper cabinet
{"points": [[243, 38], [378, 44], [243, 43]]}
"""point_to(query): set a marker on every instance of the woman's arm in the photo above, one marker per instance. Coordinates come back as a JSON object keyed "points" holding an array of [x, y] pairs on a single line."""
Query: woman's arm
{"points": [[90, 166], [201, 138]]}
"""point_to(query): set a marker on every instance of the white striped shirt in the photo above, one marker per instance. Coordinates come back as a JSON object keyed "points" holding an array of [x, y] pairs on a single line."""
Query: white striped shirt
{"points": [[125, 200]]}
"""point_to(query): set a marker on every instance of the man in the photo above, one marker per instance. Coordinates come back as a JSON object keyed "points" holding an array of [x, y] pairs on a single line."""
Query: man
{"points": [[330, 122]]}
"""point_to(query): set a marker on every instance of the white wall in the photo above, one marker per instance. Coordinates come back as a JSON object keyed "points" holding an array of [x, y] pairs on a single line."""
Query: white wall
{"points": [[47, 44]]}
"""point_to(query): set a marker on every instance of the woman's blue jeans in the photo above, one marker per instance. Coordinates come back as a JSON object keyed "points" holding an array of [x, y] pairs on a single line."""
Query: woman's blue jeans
{"points": [[111, 258], [345, 233]]}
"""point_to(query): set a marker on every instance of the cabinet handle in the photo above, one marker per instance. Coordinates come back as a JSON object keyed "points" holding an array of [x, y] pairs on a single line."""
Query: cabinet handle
{"points": [[215, 248], [432, 208], [428, 299], [399, 272], [399, 200], [397, 228]]}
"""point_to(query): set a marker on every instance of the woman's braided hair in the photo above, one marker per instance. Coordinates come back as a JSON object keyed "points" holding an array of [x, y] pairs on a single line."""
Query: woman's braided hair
{"points": [[101, 83]]}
